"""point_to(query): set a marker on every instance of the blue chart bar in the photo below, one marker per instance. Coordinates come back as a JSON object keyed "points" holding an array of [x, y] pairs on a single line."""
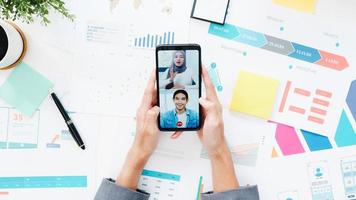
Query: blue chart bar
{"points": [[316, 142], [173, 38], [156, 40], [139, 42], [53, 145], [152, 41], [351, 99], [66, 135], [16, 145], [160, 39], [144, 42], [169, 37], [148, 40], [43, 182], [161, 175], [3, 145], [345, 135], [164, 38]]}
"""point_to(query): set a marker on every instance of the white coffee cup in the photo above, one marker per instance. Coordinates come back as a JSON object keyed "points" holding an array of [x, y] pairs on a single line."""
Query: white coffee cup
{"points": [[11, 43]]}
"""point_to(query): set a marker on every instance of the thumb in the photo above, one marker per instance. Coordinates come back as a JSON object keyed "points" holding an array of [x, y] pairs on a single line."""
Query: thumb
{"points": [[152, 114], [205, 103], [200, 135]]}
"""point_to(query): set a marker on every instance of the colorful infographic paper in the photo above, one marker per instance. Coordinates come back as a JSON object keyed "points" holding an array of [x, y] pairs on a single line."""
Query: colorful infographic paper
{"points": [[279, 46], [322, 175], [269, 42]]}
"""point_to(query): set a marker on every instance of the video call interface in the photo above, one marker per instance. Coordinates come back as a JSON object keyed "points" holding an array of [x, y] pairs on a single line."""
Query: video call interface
{"points": [[179, 88]]}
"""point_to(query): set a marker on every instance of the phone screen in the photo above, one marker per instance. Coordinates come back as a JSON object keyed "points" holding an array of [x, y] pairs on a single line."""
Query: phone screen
{"points": [[179, 87]]}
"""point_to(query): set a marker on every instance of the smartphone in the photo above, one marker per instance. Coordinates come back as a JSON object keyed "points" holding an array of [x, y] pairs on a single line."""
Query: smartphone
{"points": [[178, 72]]}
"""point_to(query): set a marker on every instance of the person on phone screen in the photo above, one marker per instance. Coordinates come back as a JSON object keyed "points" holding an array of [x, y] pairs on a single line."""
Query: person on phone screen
{"points": [[178, 75], [180, 116]]}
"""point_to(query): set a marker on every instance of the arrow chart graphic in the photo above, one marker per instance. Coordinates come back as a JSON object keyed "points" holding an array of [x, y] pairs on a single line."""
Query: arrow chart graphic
{"points": [[280, 46]]}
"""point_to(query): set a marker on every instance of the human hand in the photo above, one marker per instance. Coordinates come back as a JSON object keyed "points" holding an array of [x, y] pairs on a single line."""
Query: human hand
{"points": [[172, 74], [212, 137], [211, 133], [146, 138], [178, 86]]}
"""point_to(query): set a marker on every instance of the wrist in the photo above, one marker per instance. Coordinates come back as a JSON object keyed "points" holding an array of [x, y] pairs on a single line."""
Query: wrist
{"points": [[220, 153], [137, 158], [132, 169]]}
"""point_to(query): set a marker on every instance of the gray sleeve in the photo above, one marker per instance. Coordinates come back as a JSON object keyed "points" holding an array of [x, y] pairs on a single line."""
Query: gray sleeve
{"points": [[108, 190], [242, 193]]}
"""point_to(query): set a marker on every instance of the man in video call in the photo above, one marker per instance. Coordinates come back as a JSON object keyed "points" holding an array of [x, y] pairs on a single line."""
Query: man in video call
{"points": [[180, 117]]}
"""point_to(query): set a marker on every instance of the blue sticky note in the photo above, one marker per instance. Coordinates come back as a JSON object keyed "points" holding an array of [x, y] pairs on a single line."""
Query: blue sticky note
{"points": [[25, 89]]}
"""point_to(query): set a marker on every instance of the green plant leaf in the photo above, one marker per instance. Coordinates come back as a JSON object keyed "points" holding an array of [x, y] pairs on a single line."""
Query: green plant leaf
{"points": [[26, 10]]}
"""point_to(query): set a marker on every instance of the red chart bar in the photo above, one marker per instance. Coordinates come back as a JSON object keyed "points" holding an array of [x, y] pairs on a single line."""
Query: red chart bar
{"points": [[4, 193], [297, 109], [285, 95], [323, 93], [332, 61], [302, 92]]}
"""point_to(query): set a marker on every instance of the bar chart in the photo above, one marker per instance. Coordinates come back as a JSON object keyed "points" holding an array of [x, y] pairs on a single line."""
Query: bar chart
{"points": [[152, 40]]}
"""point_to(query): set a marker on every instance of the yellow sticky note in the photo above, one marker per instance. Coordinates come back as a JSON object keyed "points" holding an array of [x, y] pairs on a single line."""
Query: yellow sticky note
{"points": [[299, 5], [254, 94]]}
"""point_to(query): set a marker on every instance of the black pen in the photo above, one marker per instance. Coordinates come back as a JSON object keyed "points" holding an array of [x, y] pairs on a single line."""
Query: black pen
{"points": [[73, 131]]}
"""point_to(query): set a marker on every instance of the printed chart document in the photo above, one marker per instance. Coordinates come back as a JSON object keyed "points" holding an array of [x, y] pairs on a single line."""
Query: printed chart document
{"points": [[266, 40], [326, 174], [48, 164], [182, 164], [169, 172], [115, 57]]}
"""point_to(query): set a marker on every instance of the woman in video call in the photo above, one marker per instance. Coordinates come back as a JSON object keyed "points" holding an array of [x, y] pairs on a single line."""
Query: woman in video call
{"points": [[178, 75]]}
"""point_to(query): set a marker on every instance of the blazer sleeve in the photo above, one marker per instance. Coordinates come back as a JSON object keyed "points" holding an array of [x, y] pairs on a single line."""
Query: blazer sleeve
{"points": [[108, 190], [242, 193]]}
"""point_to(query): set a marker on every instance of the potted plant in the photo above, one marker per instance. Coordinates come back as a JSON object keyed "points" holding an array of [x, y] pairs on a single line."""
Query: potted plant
{"points": [[27, 10], [12, 40]]}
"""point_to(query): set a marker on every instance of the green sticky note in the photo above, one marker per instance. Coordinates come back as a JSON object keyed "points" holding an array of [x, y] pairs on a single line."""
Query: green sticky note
{"points": [[25, 89]]}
